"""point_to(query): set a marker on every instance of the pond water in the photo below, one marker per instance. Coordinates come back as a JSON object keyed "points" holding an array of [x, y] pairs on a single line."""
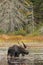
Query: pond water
{"points": [[31, 59]]}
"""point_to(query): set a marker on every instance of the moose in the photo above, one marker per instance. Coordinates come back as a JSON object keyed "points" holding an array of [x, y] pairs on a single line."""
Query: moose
{"points": [[16, 50]]}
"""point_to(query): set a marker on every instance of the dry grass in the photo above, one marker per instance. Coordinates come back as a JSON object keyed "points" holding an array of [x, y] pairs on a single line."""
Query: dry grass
{"points": [[9, 40], [21, 38]]}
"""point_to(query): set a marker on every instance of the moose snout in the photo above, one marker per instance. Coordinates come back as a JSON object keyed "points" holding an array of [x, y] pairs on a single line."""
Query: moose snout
{"points": [[27, 52]]}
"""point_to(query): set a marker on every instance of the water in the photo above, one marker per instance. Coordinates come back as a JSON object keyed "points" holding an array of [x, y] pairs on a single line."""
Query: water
{"points": [[31, 59]]}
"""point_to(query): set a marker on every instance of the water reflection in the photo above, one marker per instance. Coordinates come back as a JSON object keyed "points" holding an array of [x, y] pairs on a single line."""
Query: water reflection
{"points": [[18, 62]]}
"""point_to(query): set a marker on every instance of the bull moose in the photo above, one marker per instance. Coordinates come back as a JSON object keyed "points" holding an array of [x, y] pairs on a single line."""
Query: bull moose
{"points": [[16, 50]]}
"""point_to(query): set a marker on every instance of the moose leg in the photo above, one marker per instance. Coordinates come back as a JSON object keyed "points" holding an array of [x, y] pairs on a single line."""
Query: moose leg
{"points": [[23, 55]]}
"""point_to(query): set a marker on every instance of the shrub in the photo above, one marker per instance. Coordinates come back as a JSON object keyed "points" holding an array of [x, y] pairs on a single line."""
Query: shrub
{"points": [[1, 31], [20, 32]]}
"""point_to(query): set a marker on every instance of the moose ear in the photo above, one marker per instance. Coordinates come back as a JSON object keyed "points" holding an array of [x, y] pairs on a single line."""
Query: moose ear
{"points": [[23, 44]]}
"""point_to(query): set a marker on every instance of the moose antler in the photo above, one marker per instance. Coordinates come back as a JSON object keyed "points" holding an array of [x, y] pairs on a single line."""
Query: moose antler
{"points": [[23, 44], [18, 42]]}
